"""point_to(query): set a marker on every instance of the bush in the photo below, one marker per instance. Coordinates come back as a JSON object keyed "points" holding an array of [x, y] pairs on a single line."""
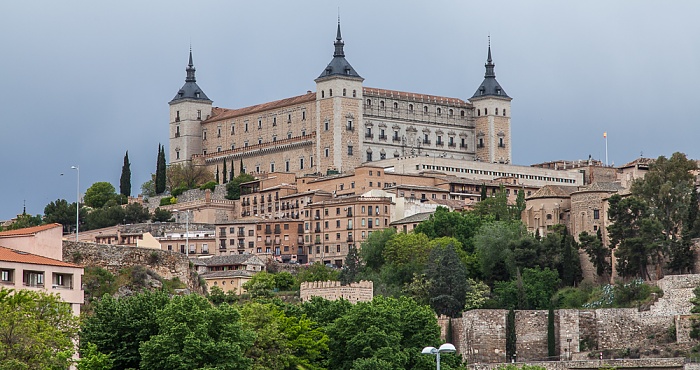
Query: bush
{"points": [[154, 258], [211, 185], [166, 201], [162, 215], [179, 190]]}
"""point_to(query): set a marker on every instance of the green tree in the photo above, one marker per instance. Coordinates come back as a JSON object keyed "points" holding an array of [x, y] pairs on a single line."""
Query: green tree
{"points": [[104, 217], [477, 294], [282, 341], [36, 330], [230, 178], [161, 175], [352, 266], [533, 291], [372, 250], [217, 296], [260, 285], [462, 226], [323, 311], [188, 176], [162, 215], [233, 188], [511, 337], [317, 272], [241, 168], [225, 173], [193, 334], [92, 359], [61, 212], [284, 280], [635, 235], [405, 254], [24, 220], [148, 188], [493, 246], [136, 213], [119, 326], [98, 194], [598, 254], [448, 281], [125, 179], [385, 331], [216, 177]]}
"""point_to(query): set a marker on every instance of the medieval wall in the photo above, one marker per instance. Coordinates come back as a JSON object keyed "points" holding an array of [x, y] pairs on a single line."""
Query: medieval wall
{"points": [[480, 335], [332, 290]]}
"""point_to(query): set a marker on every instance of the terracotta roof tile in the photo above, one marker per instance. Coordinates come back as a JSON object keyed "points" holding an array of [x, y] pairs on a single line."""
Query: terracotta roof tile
{"points": [[218, 114], [29, 230], [11, 255]]}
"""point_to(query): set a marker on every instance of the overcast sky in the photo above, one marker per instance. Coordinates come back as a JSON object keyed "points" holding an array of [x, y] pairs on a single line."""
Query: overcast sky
{"points": [[83, 82]]}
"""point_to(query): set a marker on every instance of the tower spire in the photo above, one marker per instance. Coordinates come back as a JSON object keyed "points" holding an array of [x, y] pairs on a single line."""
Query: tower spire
{"points": [[190, 70], [489, 63], [339, 52]]}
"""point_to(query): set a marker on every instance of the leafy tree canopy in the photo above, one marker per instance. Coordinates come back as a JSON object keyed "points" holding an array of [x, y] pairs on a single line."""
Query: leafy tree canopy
{"points": [[98, 194], [233, 187]]}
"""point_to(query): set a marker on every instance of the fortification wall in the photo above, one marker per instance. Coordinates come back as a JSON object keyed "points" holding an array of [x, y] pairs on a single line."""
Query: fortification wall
{"points": [[116, 257], [332, 290]]}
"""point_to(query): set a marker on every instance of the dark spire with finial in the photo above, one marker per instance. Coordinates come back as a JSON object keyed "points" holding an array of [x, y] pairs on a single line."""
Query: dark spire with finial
{"points": [[490, 87], [339, 65], [190, 90], [190, 70]]}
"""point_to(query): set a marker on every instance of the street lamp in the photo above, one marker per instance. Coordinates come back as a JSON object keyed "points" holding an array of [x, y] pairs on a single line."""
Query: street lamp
{"points": [[77, 203], [445, 348], [187, 232], [568, 340]]}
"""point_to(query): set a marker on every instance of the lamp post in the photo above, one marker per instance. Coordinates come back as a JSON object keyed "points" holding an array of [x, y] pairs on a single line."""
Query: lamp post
{"points": [[187, 232], [445, 348], [568, 340], [77, 203]]}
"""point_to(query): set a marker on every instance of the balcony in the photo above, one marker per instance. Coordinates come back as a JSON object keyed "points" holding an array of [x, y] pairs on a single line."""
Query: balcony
{"points": [[222, 234], [278, 241], [396, 139], [268, 242], [463, 146], [300, 240], [278, 230], [350, 128], [480, 145], [382, 137], [349, 238], [349, 214], [369, 136], [426, 142], [317, 230], [241, 234], [317, 241], [501, 145], [268, 230], [241, 245], [440, 143], [349, 227], [300, 229], [452, 145]]}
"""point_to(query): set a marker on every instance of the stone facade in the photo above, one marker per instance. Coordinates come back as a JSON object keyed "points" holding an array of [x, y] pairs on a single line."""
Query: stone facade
{"points": [[336, 128], [481, 336], [332, 290]]}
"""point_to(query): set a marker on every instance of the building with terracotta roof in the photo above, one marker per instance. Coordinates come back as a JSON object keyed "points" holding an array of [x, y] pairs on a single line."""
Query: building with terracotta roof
{"points": [[31, 258], [339, 126]]}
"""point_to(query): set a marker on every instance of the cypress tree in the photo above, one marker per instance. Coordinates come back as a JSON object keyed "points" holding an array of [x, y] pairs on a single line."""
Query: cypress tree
{"points": [[231, 173], [242, 171], [484, 194], [160, 170], [217, 174], [551, 340], [125, 179], [225, 173], [510, 335]]}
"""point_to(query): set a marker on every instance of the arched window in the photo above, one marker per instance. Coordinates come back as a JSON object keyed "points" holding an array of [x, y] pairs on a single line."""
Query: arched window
{"points": [[330, 92], [496, 111], [369, 102], [396, 105], [425, 109], [381, 104], [451, 112], [344, 92], [486, 111], [323, 94], [504, 112], [354, 93], [439, 111], [461, 113], [410, 107]]}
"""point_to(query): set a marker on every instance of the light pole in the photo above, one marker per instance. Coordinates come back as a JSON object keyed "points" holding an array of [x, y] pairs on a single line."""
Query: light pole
{"points": [[77, 203], [187, 232], [568, 340], [445, 348]]}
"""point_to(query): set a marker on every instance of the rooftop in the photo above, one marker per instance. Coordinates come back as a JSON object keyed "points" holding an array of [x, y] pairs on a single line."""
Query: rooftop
{"points": [[12, 255], [29, 230]]}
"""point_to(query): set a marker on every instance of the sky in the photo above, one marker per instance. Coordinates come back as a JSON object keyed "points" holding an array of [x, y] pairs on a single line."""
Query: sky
{"points": [[82, 82]]}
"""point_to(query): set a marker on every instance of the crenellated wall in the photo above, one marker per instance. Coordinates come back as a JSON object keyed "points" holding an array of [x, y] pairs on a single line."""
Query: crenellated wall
{"points": [[332, 290]]}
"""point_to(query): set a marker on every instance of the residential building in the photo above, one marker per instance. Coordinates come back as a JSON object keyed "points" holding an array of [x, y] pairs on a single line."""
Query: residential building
{"points": [[229, 273]]}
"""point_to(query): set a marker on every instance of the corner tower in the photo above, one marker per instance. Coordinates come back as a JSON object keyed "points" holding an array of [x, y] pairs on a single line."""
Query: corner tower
{"points": [[492, 123], [339, 114], [187, 111]]}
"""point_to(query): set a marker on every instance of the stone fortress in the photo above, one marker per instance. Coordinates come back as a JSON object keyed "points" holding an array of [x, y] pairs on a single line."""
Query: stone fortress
{"points": [[339, 126]]}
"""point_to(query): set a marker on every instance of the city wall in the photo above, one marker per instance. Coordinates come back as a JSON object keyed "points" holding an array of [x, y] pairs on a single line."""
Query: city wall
{"points": [[167, 264], [332, 290], [480, 335]]}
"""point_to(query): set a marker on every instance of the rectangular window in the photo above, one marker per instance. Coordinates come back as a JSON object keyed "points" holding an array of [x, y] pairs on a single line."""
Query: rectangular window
{"points": [[327, 152], [349, 149], [596, 214], [6, 276], [301, 163]]}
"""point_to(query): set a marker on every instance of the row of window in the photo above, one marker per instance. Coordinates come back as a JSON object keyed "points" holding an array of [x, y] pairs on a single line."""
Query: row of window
{"points": [[345, 93], [36, 279], [426, 109], [486, 112], [494, 173]]}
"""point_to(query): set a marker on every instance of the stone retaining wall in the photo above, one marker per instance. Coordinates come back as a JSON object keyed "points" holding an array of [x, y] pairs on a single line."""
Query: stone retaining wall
{"points": [[332, 290]]}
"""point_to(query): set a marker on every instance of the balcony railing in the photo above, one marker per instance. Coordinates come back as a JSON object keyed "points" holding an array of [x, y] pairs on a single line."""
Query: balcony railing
{"points": [[369, 136], [396, 139]]}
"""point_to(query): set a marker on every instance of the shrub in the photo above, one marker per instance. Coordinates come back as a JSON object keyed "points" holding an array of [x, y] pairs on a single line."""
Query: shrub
{"points": [[211, 185], [154, 258], [166, 201], [179, 190]]}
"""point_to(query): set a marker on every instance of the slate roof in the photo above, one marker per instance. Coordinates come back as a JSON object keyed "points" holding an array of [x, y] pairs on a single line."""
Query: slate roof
{"points": [[610, 187], [490, 87], [418, 217], [29, 230], [372, 91], [190, 90], [339, 66], [12, 255], [226, 274], [218, 114]]}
